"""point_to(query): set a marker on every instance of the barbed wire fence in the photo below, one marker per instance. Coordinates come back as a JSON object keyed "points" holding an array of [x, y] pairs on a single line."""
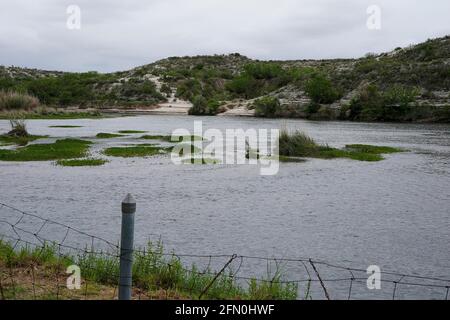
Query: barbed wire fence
{"points": [[35, 253]]}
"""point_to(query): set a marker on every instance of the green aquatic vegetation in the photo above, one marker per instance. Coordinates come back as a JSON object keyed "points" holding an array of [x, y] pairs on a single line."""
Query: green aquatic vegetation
{"points": [[21, 141], [298, 144], [168, 138], [60, 149], [81, 162], [373, 149], [131, 131], [156, 137], [65, 126], [103, 135], [135, 151]]}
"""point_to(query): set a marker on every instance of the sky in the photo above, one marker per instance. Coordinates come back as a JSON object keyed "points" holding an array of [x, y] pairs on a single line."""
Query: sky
{"points": [[118, 35]]}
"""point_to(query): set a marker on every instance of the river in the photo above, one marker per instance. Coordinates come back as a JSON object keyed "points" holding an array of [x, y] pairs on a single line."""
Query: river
{"points": [[393, 213]]}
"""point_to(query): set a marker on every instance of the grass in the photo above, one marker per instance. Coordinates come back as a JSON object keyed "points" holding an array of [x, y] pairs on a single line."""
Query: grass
{"points": [[155, 274], [131, 131], [61, 149], [297, 144], [103, 135], [133, 152], [65, 126], [81, 162], [373, 149]]}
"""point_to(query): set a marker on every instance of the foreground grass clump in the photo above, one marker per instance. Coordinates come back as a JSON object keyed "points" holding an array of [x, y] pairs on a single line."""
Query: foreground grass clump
{"points": [[298, 144], [131, 131], [61, 149], [135, 151], [81, 162], [155, 275], [103, 135]]}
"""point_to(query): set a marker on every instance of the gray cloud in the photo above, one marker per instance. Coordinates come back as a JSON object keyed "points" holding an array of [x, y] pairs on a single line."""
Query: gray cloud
{"points": [[118, 35]]}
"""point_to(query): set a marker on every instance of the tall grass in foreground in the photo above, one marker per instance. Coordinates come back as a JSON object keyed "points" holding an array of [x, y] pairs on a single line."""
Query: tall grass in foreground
{"points": [[153, 271], [10, 100]]}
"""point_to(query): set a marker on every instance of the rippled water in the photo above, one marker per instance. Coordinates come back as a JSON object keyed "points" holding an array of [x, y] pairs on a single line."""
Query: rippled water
{"points": [[393, 213]]}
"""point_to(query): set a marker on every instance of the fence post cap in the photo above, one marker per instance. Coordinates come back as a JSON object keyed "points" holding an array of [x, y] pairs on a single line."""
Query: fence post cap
{"points": [[129, 204], [129, 199]]}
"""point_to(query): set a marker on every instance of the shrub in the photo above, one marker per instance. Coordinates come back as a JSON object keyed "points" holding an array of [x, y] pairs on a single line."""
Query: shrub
{"points": [[166, 89], [391, 105], [267, 107], [320, 89], [201, 106], [10, 100]]}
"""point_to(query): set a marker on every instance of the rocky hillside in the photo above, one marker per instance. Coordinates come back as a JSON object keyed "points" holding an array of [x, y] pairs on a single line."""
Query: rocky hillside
{"points": [[407, 84]]}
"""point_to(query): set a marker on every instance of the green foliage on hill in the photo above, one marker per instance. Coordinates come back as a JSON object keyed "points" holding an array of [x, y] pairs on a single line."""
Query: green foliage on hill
{"points": [[372, 104]]}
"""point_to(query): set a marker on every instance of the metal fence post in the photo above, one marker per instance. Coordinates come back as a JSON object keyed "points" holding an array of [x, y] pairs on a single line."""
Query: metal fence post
{"points": [[126, 247]]}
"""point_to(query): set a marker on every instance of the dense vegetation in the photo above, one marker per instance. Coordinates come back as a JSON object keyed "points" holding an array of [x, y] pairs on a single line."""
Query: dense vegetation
{"points": [[85, 89]]}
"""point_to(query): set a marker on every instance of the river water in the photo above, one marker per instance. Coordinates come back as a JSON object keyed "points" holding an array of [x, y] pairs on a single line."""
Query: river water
{"points": [[393, 213]]}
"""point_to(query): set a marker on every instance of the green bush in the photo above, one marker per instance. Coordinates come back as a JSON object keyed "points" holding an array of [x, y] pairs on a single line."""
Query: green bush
{"points": [[320, 89], [203, 107], [393, 104], [267, 107]]}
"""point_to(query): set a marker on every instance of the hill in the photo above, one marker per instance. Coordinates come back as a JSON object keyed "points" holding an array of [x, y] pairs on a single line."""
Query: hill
{"points": [[407, 84]]}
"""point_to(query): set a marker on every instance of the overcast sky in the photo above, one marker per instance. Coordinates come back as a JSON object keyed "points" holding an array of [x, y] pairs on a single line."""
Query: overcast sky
{"points": [[118, 34]]}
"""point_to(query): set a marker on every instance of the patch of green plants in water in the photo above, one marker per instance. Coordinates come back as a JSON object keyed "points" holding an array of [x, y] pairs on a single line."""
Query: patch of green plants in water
{"points": [[65, 126], [81, 162], [168, 138], [298, 144], [104, 135], [133, 152], [153, 270], [131, 131], [61, 149]]}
